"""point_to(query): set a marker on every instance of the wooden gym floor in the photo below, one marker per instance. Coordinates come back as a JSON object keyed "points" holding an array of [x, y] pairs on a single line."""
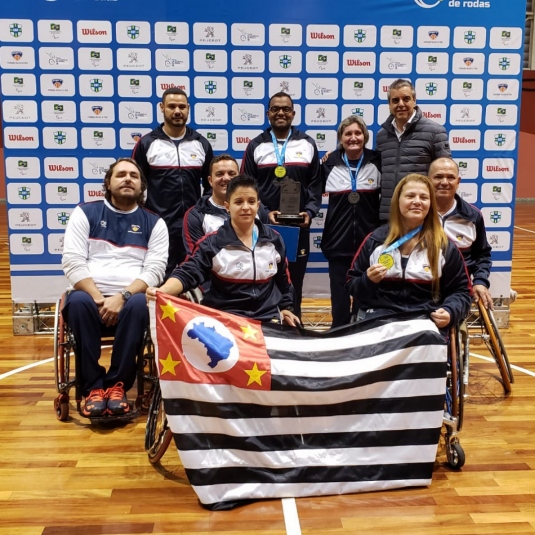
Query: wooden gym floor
{"points": [[73, 478]]}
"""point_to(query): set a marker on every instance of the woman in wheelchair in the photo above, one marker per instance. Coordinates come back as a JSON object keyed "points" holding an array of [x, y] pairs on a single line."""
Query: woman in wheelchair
{"points": [[245, 261], [409, 264]]}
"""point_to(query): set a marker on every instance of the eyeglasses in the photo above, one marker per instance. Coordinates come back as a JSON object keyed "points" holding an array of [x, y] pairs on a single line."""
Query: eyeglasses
{"points": [[284, 109]]}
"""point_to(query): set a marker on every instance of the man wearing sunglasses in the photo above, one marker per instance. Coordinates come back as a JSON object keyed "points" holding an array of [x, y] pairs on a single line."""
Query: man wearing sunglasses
{"points": [[279, 152]]}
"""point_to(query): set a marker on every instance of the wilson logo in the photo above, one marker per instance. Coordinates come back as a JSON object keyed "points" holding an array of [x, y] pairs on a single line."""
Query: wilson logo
{"points": [[19, 137], [95, 193], [358, 63], [243, 140], [497, 169], [464, 140], [321, 35], [431, 115], [60, 167], [169, 86], [92, 31]]}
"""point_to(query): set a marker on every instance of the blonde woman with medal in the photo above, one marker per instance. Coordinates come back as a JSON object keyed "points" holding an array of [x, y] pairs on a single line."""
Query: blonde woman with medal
{"points": [[352, 178], [410, 265]]}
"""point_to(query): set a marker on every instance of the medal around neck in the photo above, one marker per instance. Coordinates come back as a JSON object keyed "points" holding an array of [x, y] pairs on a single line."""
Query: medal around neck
{"points": [[280, 171], [386, 260], [290, 203], [353, 197]]}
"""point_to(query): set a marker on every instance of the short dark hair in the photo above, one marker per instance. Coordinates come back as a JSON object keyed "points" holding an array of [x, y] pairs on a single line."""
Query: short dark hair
{"points": [[109, 174], [398, 84], [221, 158], [278, 95], [174, 91], [240, 181]]}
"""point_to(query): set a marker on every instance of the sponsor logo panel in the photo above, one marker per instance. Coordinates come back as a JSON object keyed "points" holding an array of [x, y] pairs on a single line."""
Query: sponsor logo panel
{"points": [[135, 112], [171, 33], [252, 88], [248, 34], [465, 140], [383, 112], [433, 37], [498, 168], [25, 218], [246, 113], [358, 88], [323, 35], [506, 38], [19, 111], [432, 88], [128, 137], [172, 59], [467, 89], [470, 37], [248, 61], [360, 36], [497, 192], [57, 218], [134, 59], [93, 192], [134, 86], [468, 168], [321, 114], [210, 113], [132, 32], [359, 62], [395, 62], [54, 85], [325, 139], [364, 111], [55, 243], [435, 112], [217, 138], [505, 64], [167, 82], [324, 62], [242, 138], [93, 31], [468, 63], [466, 114], [55, 31], [285, 62], [96, 85], [23, 193], [97, 137], [432, 62], [97, 111], [397, 36], [500, 140], [19, 57], [468, 192], [385, 83], [95, 168], [16, 137], [503, 89], [500, 241], [58, 111], [62, 193], [26, 244], [496, 217], [321, 88], [18, 85], [61, 168], [210, 33], [205, 60], [289, 85], [22, 167], [16, 30], [285, 35], [60, 137], [210, 87], [501, 114]]}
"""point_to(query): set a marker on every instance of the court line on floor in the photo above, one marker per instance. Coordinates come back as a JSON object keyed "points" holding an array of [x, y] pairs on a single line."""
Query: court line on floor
{"points": [[291, 518], [27, 367], [525, 229], [490, 359]]}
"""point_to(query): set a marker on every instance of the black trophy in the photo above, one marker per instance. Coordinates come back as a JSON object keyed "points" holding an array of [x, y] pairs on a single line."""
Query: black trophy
{"points": [[290, 203]]}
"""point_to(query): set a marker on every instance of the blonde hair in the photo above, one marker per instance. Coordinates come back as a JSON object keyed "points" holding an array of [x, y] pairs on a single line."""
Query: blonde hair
{"points": [[432, 236]]}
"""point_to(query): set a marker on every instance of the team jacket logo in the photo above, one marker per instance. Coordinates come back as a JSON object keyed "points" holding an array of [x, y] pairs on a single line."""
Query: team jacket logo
{"points": [[285, 61], [15, 29], [60, 137], [359, 36], [96, 85], [24, 193], [135, 228], [132, 32]]}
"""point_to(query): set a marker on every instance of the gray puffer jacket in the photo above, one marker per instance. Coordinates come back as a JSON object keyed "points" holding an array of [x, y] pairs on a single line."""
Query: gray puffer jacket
{"points": [[422, 142]]}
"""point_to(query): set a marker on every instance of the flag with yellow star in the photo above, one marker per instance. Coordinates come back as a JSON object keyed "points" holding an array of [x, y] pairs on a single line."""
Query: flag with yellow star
{"points": [[196, 344]]}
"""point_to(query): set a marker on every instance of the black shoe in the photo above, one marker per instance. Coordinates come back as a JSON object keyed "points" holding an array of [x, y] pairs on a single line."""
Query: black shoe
{"points": [[95, 403], [117, 402]]}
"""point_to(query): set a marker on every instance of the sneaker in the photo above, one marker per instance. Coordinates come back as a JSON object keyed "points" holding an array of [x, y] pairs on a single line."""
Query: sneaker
{"points": [[95, 403], [117, 402]]}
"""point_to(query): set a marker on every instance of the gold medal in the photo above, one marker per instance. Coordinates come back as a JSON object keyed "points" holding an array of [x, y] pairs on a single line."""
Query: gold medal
{"points": [[280, 171], [386, 260]]}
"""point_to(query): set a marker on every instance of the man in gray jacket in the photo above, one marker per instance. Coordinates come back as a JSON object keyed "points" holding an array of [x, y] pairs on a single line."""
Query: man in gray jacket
{"points": [[408, 141]]}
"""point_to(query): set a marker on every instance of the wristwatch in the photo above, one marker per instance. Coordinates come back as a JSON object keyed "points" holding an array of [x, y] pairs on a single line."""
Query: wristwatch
{"points": [[126, 295]]}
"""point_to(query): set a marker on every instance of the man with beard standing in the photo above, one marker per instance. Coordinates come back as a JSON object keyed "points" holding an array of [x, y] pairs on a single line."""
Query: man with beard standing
{"points": [[175, 159], [279, 152]]}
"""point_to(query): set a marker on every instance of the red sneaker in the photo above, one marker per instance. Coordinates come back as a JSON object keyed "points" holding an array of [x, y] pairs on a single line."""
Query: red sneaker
{"points": [[117, 402], [95, 403]]}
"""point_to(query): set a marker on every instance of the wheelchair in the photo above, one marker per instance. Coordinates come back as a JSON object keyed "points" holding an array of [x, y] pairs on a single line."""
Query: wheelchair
{"points": [[483, 328], [67, 366], [158, 434]]}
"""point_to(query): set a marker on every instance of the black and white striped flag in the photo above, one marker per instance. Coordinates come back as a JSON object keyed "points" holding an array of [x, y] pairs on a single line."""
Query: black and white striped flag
{"points": [[260, 412]]}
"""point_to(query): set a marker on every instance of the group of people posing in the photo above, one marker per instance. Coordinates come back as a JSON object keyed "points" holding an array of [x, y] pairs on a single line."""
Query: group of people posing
{"points": [[391, 212]]}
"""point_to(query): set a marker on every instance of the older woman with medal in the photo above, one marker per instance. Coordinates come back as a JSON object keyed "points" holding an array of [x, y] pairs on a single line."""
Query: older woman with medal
{"points": [[409, 264], [352, 178]]}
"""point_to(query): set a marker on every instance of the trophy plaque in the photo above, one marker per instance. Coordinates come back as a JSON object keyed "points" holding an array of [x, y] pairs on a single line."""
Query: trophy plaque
{"points": [[290, 203]]}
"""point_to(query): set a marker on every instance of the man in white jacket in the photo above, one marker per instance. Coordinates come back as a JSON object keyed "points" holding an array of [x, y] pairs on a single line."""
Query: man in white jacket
{"points": [[114, 249]]}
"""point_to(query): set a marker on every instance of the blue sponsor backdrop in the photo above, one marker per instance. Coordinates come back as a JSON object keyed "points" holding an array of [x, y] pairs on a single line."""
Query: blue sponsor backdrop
{"points": [[81, 81]]}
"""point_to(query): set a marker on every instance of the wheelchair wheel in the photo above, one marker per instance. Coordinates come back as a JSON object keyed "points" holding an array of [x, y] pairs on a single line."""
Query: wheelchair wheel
{"points": [[455, 455], [158, 436], [61, 406], [63, 349], [495, 346], [455, 386]]}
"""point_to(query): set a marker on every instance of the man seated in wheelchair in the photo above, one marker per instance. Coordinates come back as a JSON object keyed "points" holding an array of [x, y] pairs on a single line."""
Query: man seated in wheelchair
{"points": [[464, 225], [114, 249], [244, 260], [410, 265]]}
